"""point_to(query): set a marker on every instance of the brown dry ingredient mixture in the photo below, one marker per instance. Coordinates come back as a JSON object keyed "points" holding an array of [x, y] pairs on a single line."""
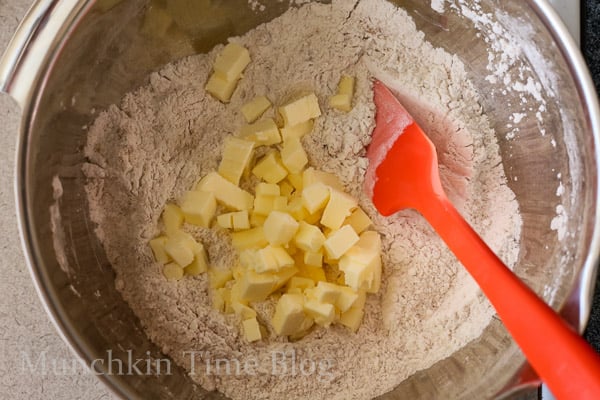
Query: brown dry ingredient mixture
{"points": [[163, 137]]}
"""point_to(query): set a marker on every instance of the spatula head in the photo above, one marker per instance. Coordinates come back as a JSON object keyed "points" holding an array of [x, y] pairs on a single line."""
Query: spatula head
{"points": [[403, 166]]}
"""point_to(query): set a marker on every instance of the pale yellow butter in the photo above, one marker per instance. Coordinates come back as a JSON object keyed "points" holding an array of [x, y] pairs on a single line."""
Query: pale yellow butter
{"points": [[220, 88], [263, 133], [199, 208], [237, 154], [251, 330], [313, 259], [219, 277], [296, 131], [270, 169], [172, 218], [289, 314], [158, 249], [311, 175], [301, 110], [231, 62], [339, 207], [322, 313], [340, 241], [249, 239], [226, 192], [173, 272], [280, 228], [352, 318], [267, 189], [315, 197], [255, 108], [293, 156], [359, 221], [309, 238]]}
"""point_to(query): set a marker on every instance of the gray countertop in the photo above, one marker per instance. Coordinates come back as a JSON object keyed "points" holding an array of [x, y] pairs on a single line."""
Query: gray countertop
{"points": [[27, 337]]}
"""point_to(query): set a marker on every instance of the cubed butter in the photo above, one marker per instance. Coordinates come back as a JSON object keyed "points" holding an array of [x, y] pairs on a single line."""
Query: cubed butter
{"points": [[359, 221], [362, 263], [311, 175], [226, 192], [172, 218], [255, 108], [220, 88], [296, 180], [242, 311], [199, 265], [316, 274], [301, 110], [256, 287], [346, 85], [158, 249], [179, 251], [237, 154], [238, 220], [173, 272], [309, 238], [293, 156], [315, 197], [280, 228], [257, 219], [270, 169], [313, 259], [269, 259], [217, 277], [340, 241], [301, 283], [322, 313], [251, 330], [296, 131], [231, 62], [289, 314], [199, 207], [267, 189], [296, 208], [339, 207], [352, 318], [263, 133], [341, 102], [346, 298], [286, 189], [249, 239]]}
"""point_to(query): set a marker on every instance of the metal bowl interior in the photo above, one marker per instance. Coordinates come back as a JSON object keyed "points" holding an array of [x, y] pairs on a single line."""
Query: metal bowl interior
{"points": [[102, 54]]}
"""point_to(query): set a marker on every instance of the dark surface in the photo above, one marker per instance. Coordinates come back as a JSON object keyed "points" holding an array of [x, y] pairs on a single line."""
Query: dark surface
{"points": [[591, 51]]}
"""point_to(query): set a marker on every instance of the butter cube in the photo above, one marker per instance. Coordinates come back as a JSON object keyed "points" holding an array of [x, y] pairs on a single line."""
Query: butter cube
{"points": [[315, 197], [242, 311], [256, 287], [219, 277], [280, 228], [172, 218], [311, 175], [158, 249], [346, 299], [362, 263], [257, 219], [341, 102], [267, 189], [226, 192], [220, 298], [289, 314], [296, 131], [313, 259], [250, 239], [316, 274], [300, 283], [199, 265], [293, 156], [179, 251], [251, 330], [263, 205], [343, 99], [199, 208], [237, 221], [352, 318], [237, 154], [255, 108], [268, 259], [359, 221], [325, 292], [296, 181], [296, 209], [301, 110], [309, 238], [340, 241], [264, 132], [270, 169], [339, 207], [280, 203], [283, 277], [231, 62], [286, 189], [220, 88], [173, 272], [322, 313]]}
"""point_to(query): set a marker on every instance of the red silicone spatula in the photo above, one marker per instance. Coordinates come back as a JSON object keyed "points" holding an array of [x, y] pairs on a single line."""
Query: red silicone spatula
{"points": [[403, 173]]}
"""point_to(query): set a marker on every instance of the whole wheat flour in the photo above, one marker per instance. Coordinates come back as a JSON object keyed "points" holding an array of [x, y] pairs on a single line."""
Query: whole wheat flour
{"points": [[163, 137]]}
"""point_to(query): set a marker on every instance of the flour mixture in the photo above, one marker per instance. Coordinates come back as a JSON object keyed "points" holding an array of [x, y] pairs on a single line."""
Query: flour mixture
{"points": [[162, 138]]}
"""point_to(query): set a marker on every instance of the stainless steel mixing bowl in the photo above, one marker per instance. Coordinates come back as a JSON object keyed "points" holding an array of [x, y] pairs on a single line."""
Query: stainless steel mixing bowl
{"points": [[70, 58]]}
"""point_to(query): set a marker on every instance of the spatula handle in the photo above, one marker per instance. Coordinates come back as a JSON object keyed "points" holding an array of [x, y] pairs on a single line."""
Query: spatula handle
{"points": [[562, 358]]}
